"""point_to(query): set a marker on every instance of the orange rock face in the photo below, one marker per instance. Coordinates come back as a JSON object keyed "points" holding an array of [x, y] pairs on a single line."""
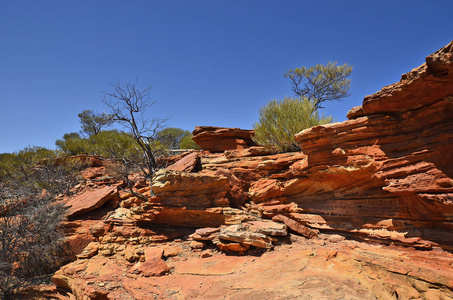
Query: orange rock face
{"points": [[219, 139], [90, 201], [365, 211], [391, 165], [329, 267], [186, 164]]}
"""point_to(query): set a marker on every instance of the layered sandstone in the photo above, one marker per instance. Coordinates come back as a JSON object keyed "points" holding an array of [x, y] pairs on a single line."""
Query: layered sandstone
{"points": [[326, 268], [219, 139], [391, 163], [384, 176]]}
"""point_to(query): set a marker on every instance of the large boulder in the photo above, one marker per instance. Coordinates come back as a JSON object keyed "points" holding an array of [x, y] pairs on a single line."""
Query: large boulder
{"points": [[190, 189], [219, 139]]}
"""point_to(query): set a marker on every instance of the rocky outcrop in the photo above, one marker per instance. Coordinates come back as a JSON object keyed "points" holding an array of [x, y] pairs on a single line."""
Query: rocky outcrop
{"points": [[90, 201], [190, 189], [219, 139], [384, 176], [240, 237], [327, 267], [421, 87], [390, 165], [186, 163]]}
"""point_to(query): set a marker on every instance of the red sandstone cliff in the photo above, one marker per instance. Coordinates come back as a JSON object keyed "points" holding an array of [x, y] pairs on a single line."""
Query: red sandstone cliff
{"points": [[383, 176], [398, 148]]}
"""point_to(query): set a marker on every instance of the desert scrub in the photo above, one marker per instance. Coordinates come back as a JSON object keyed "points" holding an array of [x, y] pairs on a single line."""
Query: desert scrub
{"points": [[280, 120]]}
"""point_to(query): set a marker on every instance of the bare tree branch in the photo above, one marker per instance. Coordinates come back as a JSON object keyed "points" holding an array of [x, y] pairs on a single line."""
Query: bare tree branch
{"points": [[128, 105]]}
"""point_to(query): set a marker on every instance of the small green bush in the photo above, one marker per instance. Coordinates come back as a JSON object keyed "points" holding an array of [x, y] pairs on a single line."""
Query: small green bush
{"points": [[27, 172], [113, 144], [176, 138], [73, 144], [188, 143], [280, 120]]}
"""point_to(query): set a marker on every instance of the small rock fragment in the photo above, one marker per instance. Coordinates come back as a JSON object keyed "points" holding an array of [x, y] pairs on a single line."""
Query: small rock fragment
{"points": [[295, 226], [197, 244]]}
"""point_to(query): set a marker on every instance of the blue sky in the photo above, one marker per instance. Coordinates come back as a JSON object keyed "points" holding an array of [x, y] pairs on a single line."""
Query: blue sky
{"points": [[208, 62]]}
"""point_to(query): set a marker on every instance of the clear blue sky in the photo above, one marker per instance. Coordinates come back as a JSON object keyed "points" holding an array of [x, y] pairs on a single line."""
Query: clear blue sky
{"points": [[208, 62]]}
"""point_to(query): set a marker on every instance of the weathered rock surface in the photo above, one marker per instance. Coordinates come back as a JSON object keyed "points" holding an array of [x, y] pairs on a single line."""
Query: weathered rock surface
{"points": [[295, 226], [185, 164], [219, 139], [326, 268], [90, 201], [391, 165], [383, 178], [238, 233], [190, 190], [421, 87]]}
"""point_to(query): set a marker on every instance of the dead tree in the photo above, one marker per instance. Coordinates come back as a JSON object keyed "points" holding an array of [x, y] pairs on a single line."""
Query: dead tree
{"points": [[128, 104]]}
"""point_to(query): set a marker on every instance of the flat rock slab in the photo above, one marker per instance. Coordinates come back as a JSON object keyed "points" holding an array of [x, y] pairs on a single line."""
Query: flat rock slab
{"points": [[266, 227], [212, 266], [236, 233], [296, 226], [153, 253], [185, 164], [343, 269], [151, 267], [90, 201]]}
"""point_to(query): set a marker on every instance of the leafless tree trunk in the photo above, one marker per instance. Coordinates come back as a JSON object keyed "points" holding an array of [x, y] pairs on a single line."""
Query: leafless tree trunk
{"points": [[128, 104]]}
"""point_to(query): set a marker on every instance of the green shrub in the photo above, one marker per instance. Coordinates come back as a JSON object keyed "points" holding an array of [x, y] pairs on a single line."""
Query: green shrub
{"points": [[279, 121], [188, 143], [107, 143], [176, 138], [170, 137], [26, 172], [73, 144], [113, 144]]}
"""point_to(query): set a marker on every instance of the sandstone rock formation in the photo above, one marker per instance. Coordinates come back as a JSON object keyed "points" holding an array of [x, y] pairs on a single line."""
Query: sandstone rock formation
{"points": [[347, 217], [325, 268], [89, 201], [186, 164], [219, 139], [390, 165]]}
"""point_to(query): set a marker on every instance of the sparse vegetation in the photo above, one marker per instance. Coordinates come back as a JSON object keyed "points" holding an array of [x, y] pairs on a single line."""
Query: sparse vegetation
{"points": [[29, 171], [128, 104], [30, 242], [280, 120], [321, 83], [177, 138], [92, 123]]}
